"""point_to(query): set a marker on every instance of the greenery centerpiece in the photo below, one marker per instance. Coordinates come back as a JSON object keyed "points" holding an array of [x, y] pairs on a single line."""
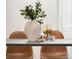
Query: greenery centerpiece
{"points": [[31, 13], [35, 14]]}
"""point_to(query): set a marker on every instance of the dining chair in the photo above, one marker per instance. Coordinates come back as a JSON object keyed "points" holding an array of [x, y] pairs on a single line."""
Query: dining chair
{"points": [[19, 52], [54, 52]]}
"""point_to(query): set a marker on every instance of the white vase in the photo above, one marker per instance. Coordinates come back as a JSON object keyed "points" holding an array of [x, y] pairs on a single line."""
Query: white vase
{"points": [[33, 30]]}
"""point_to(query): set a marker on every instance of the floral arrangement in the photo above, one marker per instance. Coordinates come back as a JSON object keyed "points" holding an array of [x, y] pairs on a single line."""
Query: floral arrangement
{"points": [[31, 13]]}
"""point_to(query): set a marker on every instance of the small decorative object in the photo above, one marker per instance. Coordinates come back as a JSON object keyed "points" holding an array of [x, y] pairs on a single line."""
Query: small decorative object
{"points": [[49, 38], [47, 32], [35, 15]]}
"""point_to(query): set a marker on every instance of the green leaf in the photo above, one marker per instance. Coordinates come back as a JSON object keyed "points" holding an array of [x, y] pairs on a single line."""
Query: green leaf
{"points": [[22, 10], [40, 22], [22, 14], [29, 12], [43, 12]]}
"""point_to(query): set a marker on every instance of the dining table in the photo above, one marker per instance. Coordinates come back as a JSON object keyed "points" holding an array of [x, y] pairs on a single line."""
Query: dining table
{"points": [[27, 42]]}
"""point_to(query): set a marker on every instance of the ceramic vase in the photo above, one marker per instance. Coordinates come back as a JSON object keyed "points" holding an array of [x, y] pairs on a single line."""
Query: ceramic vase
{"points": [[33, 30]]}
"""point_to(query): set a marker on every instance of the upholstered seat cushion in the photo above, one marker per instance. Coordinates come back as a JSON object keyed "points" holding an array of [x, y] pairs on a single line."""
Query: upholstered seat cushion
{"points": [[18, 35], [54, 55], [57, 34], [53, 52], [19, 51]]}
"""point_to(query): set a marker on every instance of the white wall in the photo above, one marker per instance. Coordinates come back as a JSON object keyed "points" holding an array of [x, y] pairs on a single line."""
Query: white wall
{"points": [[15, 22], [65, 18]]}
